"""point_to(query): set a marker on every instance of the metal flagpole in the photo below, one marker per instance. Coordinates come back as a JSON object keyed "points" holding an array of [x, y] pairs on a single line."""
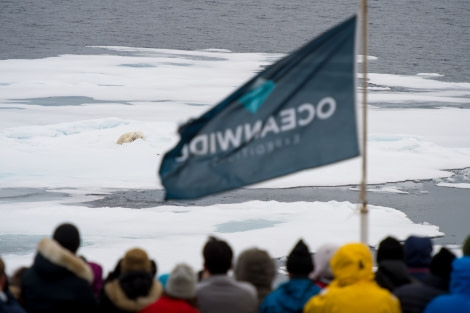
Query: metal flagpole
{"points": [[363, 192]]}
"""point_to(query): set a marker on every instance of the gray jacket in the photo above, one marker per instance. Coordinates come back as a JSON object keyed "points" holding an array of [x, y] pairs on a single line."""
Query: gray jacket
{"points": [[223, 294]]}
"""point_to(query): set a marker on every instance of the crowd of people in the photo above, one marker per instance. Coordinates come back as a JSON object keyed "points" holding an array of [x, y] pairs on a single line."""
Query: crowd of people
{"points": [[405, 277]]}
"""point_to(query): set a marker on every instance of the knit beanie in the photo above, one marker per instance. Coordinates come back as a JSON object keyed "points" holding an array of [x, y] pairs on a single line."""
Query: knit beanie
{"points": [[67, 236], [182, 282], [299, 261], [321, 261], [441, 263], [255, 266], [135, 259], [418, 251], [466, 246], [390, 249]]}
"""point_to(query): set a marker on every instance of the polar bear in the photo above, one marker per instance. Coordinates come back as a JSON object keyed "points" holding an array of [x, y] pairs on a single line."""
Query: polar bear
{"points": [[130, 137]]}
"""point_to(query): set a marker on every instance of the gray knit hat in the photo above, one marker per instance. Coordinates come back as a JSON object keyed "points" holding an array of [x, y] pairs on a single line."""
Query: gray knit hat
{"points": [[182, 282]]}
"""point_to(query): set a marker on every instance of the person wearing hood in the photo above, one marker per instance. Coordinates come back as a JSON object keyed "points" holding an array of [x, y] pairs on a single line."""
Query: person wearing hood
{"points": [[353, 288], [131, 286], [414, 297], [458, 301], [418, 254], [291, 296], [59, 280], [392, 271]]}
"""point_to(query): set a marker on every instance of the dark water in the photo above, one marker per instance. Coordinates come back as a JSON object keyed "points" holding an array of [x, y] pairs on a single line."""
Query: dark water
{"points": [[422, 202], [408, 36]]}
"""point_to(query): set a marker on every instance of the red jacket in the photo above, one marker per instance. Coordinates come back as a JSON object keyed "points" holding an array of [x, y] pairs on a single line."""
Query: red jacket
{"points": [[169, 305]]}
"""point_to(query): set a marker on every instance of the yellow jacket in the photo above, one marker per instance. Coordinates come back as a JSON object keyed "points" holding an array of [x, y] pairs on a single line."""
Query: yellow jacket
{"points": [[354, 288]]}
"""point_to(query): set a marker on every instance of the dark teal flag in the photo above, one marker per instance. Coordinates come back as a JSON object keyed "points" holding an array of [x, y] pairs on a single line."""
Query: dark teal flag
{"points": [[298, 113]]}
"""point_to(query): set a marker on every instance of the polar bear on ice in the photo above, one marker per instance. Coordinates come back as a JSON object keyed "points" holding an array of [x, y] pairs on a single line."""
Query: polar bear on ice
{"points": [[130, 137]]}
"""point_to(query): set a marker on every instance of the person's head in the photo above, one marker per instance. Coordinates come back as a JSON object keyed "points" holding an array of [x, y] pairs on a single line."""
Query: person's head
{"points": [[15, 281], [67, 236], [299, 261], [441, 264], [3, 276], [352, 263], [390, 249], [182, 282], [418, 251], [321, 261], [466, 246], [135, 259], [217, 256], [256, 267]]}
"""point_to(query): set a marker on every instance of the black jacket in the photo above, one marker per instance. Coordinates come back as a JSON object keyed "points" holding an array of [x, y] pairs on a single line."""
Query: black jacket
{"points": [[415, 297], [57, 282], [392, 274]]}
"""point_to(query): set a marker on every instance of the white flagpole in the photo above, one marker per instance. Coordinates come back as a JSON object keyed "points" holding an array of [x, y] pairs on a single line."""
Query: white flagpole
{"points": [[363, 192]]}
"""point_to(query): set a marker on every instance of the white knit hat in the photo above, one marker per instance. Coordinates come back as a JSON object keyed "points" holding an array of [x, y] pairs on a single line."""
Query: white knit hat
{"points": [[182, 282], [321, 259]]}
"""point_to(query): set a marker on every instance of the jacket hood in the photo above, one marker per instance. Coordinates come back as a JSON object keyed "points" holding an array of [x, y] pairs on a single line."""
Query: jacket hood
{"points": [[60, 257], [460, 276], [418, 251], [352, 263], [293, 294]]}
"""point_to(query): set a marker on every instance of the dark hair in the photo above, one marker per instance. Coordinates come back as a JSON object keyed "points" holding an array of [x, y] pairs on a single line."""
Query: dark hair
{"points": [[390, 249], [217, 256], [68, 236], [2, 267], [441, 263]]}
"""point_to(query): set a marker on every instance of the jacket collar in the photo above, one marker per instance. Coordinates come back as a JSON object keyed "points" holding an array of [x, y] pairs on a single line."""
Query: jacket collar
{"points": [[117, 296], [56, 254]]}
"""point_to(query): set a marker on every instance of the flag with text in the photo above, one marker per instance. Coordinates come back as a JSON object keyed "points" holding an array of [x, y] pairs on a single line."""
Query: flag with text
{"points": [[298, 113]]}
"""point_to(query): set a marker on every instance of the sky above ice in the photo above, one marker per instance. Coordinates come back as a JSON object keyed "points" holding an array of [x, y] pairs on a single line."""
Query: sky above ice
{"points": [[60, 118]]}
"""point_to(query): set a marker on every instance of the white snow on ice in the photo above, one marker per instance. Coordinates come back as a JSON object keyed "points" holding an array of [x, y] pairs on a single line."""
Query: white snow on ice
{"points": [[60, 118]]}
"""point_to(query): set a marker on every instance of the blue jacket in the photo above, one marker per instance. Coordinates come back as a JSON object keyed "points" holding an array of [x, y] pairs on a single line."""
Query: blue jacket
{"points": [[290, 296], [458, 301]]}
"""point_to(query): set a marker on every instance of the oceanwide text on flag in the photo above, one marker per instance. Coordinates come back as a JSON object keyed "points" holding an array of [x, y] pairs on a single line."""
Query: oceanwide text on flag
{"points": [[298, 113]]}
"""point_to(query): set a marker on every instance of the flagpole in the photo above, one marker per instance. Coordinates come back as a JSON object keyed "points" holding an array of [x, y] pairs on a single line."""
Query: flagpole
{"points": [[363, 192]]}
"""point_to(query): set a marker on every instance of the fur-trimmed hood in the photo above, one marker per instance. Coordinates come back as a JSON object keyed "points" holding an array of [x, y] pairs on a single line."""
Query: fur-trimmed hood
{"points": [[117, 296], [56, 254]]}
